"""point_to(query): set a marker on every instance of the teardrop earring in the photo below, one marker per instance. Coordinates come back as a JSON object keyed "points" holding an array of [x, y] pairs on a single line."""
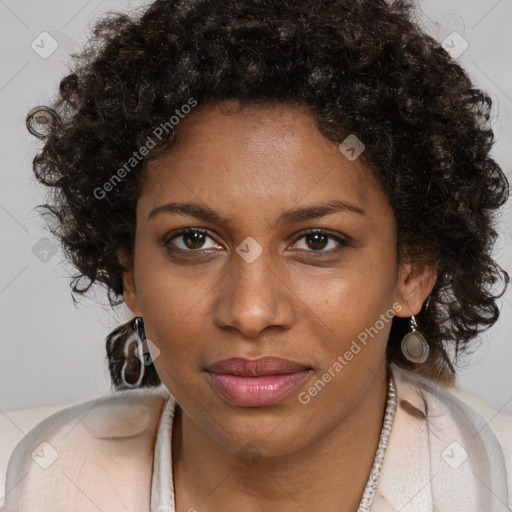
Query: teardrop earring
{"points": [[414, 346]]}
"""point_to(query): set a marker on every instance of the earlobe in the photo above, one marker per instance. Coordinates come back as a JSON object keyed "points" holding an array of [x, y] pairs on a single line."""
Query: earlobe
{"points": [[415, 283]]}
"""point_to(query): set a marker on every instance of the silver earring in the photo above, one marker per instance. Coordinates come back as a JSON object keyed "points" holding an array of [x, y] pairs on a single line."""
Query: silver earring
{"points": [[414, 346], [141, 352]]}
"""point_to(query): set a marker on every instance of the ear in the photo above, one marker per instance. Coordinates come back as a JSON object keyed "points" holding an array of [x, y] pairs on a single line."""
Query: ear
{"points": [[415, 282], [130, 296]]}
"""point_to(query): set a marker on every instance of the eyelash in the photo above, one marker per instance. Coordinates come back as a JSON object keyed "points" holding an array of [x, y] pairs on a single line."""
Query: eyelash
{"points": [[343, 242]]}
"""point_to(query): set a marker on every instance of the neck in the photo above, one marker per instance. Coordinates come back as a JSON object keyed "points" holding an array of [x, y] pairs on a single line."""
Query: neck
{"points": [[329, 473]]}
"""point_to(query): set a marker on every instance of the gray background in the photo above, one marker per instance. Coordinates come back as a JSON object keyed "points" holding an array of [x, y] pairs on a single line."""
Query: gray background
{"points": [[53, 353]]}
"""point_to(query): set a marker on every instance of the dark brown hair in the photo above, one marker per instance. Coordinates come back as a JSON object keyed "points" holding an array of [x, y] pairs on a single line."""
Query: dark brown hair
{"points": [[362, 67]]}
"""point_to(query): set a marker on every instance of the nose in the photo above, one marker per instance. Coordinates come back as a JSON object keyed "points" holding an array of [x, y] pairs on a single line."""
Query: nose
{"points": [[253, 297]]}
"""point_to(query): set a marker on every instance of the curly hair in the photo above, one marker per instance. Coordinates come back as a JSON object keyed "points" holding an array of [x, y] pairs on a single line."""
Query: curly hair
{"points": [[362, 67]]}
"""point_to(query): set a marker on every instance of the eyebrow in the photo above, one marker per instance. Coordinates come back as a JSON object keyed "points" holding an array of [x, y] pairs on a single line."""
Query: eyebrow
{"points": [[288, 217]]}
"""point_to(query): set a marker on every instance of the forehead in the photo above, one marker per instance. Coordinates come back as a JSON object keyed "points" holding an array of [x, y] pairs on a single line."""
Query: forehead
{"points": [[257, 155]]}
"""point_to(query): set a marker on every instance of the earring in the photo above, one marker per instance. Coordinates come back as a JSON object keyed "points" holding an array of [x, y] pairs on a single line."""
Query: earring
{"points": [[141, 352], [414, 346]]}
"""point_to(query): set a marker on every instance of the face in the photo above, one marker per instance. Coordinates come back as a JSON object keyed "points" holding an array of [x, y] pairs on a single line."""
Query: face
{"points": [[224, 266]]}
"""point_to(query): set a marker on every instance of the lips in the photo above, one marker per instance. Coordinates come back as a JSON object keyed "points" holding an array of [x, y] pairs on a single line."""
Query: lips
{"points": [[256, 367], [256, 382]]}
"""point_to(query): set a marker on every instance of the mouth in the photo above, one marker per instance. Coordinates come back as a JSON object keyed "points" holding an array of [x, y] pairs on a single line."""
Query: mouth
{"points": [[257, 367], [256, 382]]}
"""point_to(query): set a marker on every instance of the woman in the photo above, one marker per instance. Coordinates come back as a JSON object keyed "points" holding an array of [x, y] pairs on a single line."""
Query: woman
{"points": [[296, 202]]}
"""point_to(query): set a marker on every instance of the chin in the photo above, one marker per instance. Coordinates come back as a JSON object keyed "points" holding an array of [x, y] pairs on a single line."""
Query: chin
{"points": [[267, 435]]}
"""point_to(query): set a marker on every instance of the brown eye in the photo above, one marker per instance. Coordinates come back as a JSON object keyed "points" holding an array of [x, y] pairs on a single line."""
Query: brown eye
{"points": [[317, 240], [191, 240], [321, 241]]}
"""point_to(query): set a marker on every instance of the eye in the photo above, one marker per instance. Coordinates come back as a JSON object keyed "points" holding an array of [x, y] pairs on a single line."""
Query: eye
{"points": [[196, 239], [319, 240], [191, 239]]}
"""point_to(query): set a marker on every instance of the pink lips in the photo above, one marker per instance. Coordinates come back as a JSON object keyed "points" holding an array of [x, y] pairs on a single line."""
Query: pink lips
{"points": [[256, 382]]}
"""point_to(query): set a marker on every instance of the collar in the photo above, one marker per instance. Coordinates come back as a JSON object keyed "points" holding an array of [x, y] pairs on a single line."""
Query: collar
{"points": [[441, 455]]}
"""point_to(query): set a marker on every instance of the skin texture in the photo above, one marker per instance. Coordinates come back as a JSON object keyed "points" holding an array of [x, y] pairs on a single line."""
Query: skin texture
{"points": [[300, 299]]}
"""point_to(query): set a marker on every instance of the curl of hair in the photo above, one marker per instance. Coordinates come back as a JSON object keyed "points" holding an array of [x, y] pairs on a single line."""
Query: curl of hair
{"points": [[362, 67]]}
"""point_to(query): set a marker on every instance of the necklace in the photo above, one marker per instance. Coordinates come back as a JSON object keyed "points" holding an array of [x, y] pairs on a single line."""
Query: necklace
{"points": [[373, 479]]}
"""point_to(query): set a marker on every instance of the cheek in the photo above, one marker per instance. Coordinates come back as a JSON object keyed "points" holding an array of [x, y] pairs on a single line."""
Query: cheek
{"points": [[169, 295], [173, 310], [181, 342], [349, 323], [351, 297]]}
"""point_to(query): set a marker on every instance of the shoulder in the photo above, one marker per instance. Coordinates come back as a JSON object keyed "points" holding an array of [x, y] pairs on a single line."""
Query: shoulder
{"points": [[96, 454], [462, 425], [499, 423], [459, 402]]}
